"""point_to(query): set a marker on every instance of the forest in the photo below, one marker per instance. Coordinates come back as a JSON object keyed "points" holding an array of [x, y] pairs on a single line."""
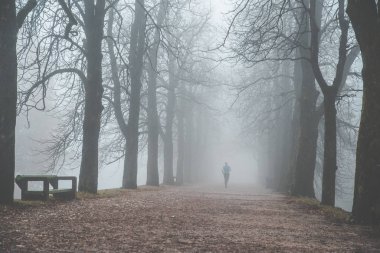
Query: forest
{"points": [[148, 105]]}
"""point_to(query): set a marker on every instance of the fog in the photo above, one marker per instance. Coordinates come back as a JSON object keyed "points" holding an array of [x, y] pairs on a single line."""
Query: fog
{"points": [[237, 92]]}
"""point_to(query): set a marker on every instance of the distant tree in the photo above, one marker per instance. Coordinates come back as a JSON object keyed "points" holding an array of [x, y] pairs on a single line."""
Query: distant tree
{"points": [[287, 32], [269, 31], [169, 120], [184, 31], [365, 16], [180, 141]]}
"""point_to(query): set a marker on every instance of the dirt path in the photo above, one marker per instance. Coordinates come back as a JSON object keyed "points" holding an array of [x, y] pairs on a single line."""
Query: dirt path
{"points": [[189, 219]]}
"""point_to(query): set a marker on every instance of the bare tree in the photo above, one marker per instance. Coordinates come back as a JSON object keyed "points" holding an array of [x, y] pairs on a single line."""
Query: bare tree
{"points": [[153, 118], [330, 96], [136, 63], [77, 56], [10, 23]]}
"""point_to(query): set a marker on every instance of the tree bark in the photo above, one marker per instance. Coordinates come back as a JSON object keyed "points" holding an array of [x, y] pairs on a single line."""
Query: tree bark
{"points": [[307, 144], [283, 184], [309, 120], [94, 23], [8, 98], [136, 56], [308, 135], [170, 114], [330, 150], [153, 119], [364, 16]]}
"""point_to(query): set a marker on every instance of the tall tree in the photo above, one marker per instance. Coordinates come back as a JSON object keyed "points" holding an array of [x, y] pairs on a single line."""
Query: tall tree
{"points": [[59, 54], [9, 25], [330, 93], [153, 119], [180, 141], [170, 114], [93, 18], [136, 63], [308, 118], [364, 16]]}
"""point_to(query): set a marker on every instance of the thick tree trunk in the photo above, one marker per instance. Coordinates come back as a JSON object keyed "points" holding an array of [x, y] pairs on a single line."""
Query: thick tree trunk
{"points": [[308, 129], [366, 208], [153, 133], [153, 119], [94, 22], [136, 56], [330, 160], [283, 184], [295, 124], [8, 98], [307, 142]]}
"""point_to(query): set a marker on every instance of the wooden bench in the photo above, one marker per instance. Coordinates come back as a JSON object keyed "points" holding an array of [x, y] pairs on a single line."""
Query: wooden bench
{"points": [[64, 194]]}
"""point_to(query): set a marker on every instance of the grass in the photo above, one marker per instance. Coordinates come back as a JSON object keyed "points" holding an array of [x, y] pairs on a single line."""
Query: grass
{"points": [[334, 214], [107, 193]]}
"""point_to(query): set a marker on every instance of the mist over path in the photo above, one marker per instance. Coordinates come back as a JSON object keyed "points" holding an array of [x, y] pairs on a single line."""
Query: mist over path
{"points": [[178, 219]]}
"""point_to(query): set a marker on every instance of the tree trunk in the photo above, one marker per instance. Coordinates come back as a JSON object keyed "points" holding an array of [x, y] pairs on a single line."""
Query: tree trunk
{"points": [[309, 120], [170, 114], [198, 143], [307, 142], [189, 136], [8, 98], [366, 208], [94, 22], [181, 145], [329, 160], [283, 184], [153, 119], [295, 124], [136, 66]]}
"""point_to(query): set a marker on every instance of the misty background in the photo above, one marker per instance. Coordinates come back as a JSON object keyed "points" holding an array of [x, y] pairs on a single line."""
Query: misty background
{"points": [[231, 135]]}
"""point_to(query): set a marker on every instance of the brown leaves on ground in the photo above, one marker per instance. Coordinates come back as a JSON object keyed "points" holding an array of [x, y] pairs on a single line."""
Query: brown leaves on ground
{"points": [[171, 219]]}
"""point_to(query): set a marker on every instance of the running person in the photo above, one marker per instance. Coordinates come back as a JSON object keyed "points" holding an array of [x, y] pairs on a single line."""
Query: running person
{"points": [[226, 173]]}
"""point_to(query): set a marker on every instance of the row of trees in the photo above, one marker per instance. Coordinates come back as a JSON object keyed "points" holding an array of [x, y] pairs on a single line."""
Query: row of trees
{"points": [[124, 75], [312, 50]]}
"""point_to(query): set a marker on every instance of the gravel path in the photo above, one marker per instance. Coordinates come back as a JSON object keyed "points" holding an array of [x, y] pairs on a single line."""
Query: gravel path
{"points": [[172, 219]]}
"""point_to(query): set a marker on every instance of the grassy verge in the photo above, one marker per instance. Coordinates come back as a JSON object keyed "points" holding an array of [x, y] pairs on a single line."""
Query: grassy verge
{"points": [[107, 193], [334, 214]]}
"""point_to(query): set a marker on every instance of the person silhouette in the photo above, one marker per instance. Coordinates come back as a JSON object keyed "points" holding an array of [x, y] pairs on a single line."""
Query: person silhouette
{"points": [[226, 173]]}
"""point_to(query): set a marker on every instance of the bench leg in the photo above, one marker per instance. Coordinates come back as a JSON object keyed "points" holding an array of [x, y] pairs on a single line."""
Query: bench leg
{"points": [[74, 187], [46, 189]]}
